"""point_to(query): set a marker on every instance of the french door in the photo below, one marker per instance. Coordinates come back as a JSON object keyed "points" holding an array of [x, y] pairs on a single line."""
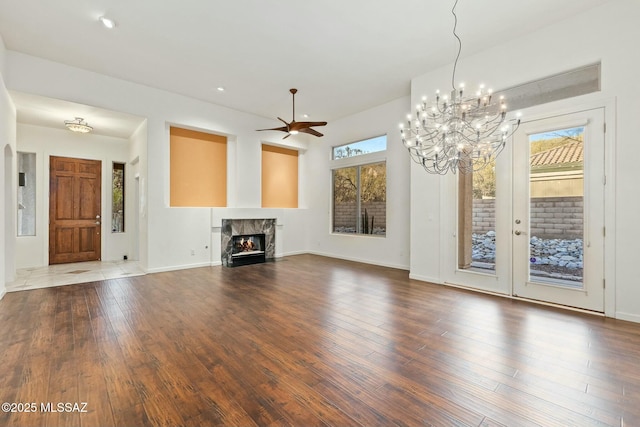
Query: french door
{"points": [[532, 224], [557, 227]]}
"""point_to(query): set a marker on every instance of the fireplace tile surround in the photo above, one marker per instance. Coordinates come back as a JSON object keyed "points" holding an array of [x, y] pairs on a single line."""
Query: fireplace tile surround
{"points": [[235, 227]]}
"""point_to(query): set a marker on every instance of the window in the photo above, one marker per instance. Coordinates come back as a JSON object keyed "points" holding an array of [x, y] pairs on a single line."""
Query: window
{"points": [[360, 187], [279, 177], [198, 169], [26, 194], [359, 148], [117, 198]]}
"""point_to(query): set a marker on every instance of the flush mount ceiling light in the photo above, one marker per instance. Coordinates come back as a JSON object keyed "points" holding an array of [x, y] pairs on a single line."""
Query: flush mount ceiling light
{"points": [[107, 22], [78, 125], [457, 132]]}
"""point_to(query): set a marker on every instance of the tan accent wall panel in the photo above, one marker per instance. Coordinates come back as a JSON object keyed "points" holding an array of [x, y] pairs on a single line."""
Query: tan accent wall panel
{"points": [[279, 177], [198, 169]]}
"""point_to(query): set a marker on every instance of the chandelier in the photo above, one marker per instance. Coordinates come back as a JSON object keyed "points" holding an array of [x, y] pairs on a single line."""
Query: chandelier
{"points": [[457, 132], [78, 125]]}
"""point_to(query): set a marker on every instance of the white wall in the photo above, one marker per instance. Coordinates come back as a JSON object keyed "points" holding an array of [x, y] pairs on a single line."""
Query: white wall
{"points": [[136, 197], [8, 170], [392, 250], [171, 233], [32, 251], [607, 34]]}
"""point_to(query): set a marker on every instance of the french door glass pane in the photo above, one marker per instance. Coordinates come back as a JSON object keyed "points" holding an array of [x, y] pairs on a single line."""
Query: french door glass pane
{"points": [[477, 221], [556, 220]]}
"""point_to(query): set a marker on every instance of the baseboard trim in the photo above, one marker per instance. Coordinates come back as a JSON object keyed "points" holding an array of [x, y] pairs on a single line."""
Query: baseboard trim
{"points": [[363, 261], [425, 279], [293, 253], [628, 317], [179, 267]]}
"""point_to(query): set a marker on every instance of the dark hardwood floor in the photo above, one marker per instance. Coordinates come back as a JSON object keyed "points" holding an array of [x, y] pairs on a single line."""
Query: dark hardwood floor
{"points": [[308, 341]]}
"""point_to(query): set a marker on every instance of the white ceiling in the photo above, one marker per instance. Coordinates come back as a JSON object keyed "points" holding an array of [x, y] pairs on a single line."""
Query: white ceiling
{"points": [[344, 56], [41, 111]]}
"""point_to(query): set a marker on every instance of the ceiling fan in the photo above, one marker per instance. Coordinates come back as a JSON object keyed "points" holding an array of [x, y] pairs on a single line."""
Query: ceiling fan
{"points": [[294, 127]]}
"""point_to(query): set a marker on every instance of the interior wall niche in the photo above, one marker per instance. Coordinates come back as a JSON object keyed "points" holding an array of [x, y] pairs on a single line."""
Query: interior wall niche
{"points": [[279, 177], [26, 194], [198, 169]]}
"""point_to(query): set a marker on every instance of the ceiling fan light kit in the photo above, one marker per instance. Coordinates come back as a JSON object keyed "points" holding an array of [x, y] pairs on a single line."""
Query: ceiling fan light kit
{"points": [[293, 127]]}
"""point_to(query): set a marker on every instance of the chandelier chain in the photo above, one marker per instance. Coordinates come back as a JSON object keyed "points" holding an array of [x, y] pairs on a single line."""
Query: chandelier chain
{"points": [[455, 34]]}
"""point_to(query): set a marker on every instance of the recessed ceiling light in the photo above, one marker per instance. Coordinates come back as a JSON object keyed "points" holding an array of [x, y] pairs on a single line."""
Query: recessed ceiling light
{"points": [[220, 89], [306, 116], [108, 23]]}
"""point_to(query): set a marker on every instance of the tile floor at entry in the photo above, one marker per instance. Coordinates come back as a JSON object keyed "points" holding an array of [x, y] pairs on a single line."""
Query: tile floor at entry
{"points": [[67, 274]]}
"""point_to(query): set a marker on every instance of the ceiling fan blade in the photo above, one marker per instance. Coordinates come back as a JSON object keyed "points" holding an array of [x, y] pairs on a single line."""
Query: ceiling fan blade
{"points": [[310, 124], [281, 129], [282, 120], [304, 125], [310, 132]]}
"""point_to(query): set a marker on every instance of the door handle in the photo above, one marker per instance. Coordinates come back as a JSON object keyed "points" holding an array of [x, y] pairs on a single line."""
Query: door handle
{"points": [[518, 232], [97, 222]]}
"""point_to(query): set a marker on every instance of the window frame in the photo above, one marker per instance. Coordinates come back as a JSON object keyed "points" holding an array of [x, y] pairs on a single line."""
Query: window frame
{"points": [[116, 165], [358, 161]]}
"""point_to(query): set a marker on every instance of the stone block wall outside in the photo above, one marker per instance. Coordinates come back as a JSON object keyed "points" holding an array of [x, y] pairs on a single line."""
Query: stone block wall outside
{"points": [[344, 214], [551, 217]]}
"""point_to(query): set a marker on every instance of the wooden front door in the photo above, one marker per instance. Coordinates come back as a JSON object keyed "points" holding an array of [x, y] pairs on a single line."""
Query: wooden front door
{"points": [[74, 210]]}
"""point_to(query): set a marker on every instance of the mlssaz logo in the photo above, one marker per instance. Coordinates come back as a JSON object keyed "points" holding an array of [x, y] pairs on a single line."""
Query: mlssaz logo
{"points": [[64, 407]]}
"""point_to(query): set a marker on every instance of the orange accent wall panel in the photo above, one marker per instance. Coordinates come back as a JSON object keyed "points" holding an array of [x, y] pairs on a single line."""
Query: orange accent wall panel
{"points": [[279, 177], [198, 169]]}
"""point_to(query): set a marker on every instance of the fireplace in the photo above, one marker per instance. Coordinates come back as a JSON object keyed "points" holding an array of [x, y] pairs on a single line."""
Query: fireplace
{"points": [[247, 241], [248, 249]]}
